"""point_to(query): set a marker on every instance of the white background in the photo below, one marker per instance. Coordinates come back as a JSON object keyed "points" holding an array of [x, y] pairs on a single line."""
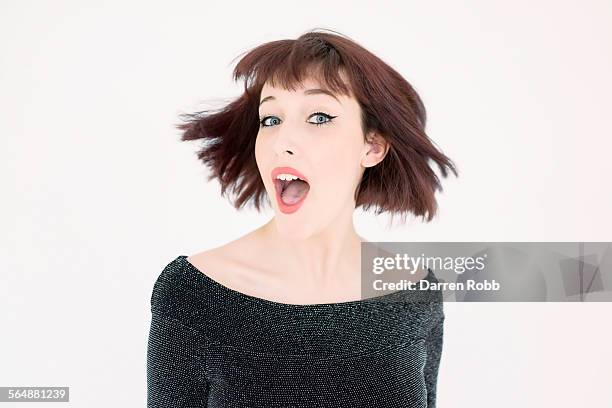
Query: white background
{"points": [[98, 194]]}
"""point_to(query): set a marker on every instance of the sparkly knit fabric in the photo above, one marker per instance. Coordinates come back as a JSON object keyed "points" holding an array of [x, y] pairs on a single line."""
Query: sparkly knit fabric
{"points": [[212, 346]]}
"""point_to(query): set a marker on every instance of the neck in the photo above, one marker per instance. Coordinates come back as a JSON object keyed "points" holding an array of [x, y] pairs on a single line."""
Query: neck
{"points": [[328, 256]]}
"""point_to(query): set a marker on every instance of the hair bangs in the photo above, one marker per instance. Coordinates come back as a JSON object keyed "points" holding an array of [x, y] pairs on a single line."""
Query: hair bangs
{"points": [[287, 64]]}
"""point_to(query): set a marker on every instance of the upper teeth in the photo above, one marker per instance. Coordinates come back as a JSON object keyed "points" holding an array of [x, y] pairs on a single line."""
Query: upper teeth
{"points": [[285, 176]]}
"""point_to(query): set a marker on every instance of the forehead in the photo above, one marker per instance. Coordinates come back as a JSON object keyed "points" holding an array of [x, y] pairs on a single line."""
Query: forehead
{"points": [[309, 87]]}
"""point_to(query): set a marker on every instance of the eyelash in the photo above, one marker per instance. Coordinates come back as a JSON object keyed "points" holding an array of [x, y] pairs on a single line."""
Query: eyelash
{"points": [[329, 120]]}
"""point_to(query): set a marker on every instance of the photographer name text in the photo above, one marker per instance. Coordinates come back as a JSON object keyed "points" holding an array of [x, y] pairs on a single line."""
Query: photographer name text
{"points": [[469, 284]]}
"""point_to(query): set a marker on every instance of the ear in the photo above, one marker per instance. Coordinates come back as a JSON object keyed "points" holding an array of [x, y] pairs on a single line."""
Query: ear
{"points": [[375, 150]]}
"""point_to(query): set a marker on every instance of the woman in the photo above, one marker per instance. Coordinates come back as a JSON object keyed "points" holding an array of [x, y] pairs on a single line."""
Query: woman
{"points": [[275, 318]]}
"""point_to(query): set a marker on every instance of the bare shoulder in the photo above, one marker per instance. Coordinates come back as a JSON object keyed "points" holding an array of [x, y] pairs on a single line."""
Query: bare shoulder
{"points": [[227, 263]]}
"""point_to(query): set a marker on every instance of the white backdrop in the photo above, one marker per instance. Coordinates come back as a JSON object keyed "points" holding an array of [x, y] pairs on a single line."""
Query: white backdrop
{"points": [[99, 194]]}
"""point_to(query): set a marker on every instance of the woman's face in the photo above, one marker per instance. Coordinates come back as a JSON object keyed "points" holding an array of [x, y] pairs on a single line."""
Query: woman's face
{"points": [[320, 138]]}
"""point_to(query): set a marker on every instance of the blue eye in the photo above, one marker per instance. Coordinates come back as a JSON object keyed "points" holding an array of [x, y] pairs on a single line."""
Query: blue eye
{"points": [[327, 118], [322, 119], [262, 122]]}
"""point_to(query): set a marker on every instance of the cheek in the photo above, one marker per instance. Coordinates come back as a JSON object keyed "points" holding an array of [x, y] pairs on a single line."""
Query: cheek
{"points": [[338, 169], [260, 152], [261, 160]]}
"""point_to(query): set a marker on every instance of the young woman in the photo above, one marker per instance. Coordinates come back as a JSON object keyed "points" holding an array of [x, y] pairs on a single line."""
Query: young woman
{"points": [[276, 318]]}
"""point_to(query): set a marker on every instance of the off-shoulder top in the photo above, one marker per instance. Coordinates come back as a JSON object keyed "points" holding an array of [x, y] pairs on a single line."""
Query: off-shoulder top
{"points": [[213, 346]]}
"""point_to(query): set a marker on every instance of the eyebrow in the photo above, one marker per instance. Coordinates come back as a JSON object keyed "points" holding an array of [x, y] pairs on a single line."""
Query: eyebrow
{"points": [[315, 91]]}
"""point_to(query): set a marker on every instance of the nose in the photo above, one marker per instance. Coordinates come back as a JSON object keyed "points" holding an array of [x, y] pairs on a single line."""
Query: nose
{"points": [[282, 149], [284, 143]]}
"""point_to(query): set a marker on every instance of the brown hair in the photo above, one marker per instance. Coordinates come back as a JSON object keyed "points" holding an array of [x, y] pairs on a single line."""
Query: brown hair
{"points": [[401, 183]]}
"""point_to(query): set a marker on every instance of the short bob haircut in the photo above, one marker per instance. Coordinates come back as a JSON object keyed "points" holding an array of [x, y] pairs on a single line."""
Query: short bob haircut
{"points": [[401, 183]]}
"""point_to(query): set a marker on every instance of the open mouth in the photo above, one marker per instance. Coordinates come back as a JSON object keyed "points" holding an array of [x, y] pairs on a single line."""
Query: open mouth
{"points": [[291, 189]]}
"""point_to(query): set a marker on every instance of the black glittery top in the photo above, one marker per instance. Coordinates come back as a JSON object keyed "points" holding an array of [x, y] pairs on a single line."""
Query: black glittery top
{"points": [[212, 346]]}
